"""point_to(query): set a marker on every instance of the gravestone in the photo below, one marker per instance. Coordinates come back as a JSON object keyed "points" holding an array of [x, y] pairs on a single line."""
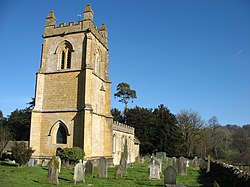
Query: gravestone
{"points": [[182, 166], [187, 163], [118, 172], [161, 155], [154, 169], [160, 162], [31, 162], [53, 171], [103, 167], [175, 163], [142, 160], [67, 162], [124, 165], [208, 163], [89, 168], [79, 172], [202, 163], [170, 161], [44, 163], [195, 163], [170, 175], [59, 162]]}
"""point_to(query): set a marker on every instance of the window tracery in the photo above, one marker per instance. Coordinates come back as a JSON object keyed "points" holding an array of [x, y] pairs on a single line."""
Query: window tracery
{"points": [[65, 53]]}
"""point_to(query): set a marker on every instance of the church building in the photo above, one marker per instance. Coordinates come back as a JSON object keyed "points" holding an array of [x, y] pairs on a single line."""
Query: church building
{"points": [[73, 91]]}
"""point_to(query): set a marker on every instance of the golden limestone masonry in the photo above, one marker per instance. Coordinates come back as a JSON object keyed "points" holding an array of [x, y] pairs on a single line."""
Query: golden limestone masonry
{"points": [[72, 99]]}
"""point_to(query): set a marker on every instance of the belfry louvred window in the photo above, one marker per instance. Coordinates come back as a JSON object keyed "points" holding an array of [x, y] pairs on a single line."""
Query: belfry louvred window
{"points": [[65, 55]]}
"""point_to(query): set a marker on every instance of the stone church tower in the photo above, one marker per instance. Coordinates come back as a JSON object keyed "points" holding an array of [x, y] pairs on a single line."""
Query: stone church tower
{"points": [[72, 99]]}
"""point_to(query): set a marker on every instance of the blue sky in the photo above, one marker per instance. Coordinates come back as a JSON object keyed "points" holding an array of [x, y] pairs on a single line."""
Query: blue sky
{"points": [[192, 55]]}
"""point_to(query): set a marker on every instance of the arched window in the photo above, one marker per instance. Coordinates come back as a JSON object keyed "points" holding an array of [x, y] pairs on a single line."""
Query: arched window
{"points": [[65, 52], [114, 144], [97, 61], [61, 135], [62, 59]]}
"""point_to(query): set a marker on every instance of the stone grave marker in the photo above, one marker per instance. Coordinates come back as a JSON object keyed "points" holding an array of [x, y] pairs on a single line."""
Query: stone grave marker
{"points": [[53, 171], [208, 163], [195, 163], [118, 172], [44, 163], [168, 161], [103, 167], [59, 162], [160, 162], [161, 155], [182, 166], [142, 160], [67, 162], [79, 173], [170, 175], [124, 165], [154, 169], [31, 162], [187, 163], [202, 163], [89, 168], [175, 163]]}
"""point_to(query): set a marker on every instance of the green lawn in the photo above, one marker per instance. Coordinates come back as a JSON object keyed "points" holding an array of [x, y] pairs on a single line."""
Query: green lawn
{"points": [[137, 176]]}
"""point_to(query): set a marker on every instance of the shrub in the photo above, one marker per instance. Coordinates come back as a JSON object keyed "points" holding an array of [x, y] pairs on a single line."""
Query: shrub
{"points": [[72, 154], [21, 153]]}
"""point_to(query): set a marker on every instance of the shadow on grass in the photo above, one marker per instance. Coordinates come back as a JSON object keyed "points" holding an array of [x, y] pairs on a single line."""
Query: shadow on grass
{"points": [[64, 179], [205, 178], [9, 164]]}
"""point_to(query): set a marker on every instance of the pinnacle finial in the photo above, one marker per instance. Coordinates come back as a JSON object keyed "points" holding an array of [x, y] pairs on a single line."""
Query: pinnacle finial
{"points": [[51, 15], [88, 9], [51, 19], [103, 27], [88, 13]]}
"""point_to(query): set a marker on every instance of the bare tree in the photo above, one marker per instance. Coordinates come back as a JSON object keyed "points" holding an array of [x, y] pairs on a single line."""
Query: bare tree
{"points": [[190, 124]]}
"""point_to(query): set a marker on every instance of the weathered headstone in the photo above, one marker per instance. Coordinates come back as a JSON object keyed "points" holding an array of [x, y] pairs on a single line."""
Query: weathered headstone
{"points": [[171, 162], [53, 171], [142, 160], [160, 162], [67, 162], [31, 162], [187, 163], [161, 155], [44, 163], [103, 167], [79, 172], [208, 163], [124, 165], [59, 162], [89, 168], [182, 166], [170, 175], [154, 169], [195, 163], [175, 163], [118, 172], [202, 163]]}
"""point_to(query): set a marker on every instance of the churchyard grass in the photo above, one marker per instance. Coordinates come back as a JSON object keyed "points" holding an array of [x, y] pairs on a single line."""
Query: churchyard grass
{"points": [[14, 176]]}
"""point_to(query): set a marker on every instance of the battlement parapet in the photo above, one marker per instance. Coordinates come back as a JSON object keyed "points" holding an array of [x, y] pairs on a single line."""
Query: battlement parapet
{"points": [[123, 128], [85, 25]]}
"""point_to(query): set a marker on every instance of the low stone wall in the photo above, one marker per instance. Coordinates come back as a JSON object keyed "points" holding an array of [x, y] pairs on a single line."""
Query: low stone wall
{"points": [[229, 175]]}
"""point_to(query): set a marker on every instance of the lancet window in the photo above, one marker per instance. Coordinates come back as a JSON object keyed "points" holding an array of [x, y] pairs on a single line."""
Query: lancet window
{"points": [[65, 53], [61, 135]]}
